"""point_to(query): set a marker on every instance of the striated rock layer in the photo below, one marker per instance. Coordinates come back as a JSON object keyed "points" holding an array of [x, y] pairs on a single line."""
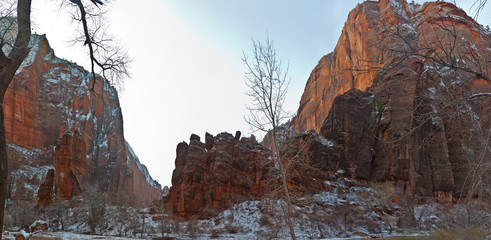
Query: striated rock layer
{"points": [[404, 98], [226, 169], [54, 122], [211, 175], [369, 42]]}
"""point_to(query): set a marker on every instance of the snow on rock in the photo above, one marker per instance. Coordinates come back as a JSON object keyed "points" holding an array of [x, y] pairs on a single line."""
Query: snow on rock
{"points": [[142, 167], [50, 97]]}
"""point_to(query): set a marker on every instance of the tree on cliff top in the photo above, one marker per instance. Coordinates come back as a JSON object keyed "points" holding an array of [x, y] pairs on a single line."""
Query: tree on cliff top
{"points": [[268, 85], [15, 33]]}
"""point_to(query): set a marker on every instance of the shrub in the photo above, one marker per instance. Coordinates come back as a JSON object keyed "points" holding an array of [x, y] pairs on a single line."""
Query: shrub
{"points": [[264, 220], [231, 228]]}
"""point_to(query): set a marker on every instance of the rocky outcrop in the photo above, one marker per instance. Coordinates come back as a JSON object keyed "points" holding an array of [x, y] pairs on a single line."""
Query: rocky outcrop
{"points": [[70, 163], [50, 98], [235, 168], [410, 119], [213, 175], [400, 99]]}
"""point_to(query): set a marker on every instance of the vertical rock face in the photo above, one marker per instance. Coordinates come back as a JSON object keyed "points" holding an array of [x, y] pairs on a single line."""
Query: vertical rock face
{"points": [[51, 97], [350, 130], [366, 45], [420, 119], [45, 192], [70, 163], [212, 175], [353, 62], [400, 99]]}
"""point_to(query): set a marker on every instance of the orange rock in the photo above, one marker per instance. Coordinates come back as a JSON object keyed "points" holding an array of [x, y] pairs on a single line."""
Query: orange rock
{"points": [[51, 97], [427, 154], [70, 162], [216, 177], [45, 192]]}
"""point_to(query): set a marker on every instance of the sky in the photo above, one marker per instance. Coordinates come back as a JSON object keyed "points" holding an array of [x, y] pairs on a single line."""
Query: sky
{"points": [[187, 75]]}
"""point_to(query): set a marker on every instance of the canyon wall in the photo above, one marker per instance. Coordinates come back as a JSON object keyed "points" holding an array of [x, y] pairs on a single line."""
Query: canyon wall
{"points": [[404, 97], [56, 126]]}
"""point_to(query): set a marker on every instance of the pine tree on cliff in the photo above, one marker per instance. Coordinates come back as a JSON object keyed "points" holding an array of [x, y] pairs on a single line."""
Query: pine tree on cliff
{"points": [[268, 85], [15, 22]]}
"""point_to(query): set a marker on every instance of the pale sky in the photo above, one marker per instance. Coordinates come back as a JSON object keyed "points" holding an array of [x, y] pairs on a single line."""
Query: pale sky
{"points": [[187, 74]]}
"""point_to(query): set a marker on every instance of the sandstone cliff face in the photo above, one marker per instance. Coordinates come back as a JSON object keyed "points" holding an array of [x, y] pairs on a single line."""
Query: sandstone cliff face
{"points": [[211, 175], [367, 44], [351, 64], [417, 122], [50, 98], [226, 169], [70, 163], [400, 99]]}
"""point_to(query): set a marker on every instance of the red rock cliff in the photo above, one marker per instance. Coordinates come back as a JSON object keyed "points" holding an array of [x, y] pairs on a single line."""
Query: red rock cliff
{"points": [[50, 97], [415, 119], [400, 99], [364, 47], [70, 162], [213, 174]]}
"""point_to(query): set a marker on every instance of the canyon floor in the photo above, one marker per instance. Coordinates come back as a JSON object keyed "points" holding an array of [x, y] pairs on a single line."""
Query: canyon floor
{"points": [[349, 210]]}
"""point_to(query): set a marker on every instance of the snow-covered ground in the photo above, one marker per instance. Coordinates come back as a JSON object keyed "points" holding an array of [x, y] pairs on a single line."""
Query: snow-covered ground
{"points": [[348, 210]]}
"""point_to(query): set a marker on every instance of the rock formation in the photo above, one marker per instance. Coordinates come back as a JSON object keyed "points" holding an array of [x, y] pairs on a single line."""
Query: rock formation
{"points": [[49, 103], [70, 163], [416, 112], [212, 175], [404, 97]]}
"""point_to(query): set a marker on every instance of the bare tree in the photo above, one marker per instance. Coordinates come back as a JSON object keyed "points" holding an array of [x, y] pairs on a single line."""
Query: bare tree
{"points": [[96, 205], [104, 51], [268, 85]]}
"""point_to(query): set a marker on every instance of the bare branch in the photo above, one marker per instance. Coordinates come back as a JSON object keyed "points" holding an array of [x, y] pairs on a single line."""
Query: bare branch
{"points": [[268, 84], [104, 52]]}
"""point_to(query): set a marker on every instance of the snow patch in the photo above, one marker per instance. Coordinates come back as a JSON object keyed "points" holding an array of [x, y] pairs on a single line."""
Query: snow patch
{"points": [[33, 45], [140, 166], [399, 9], [326, 142]]}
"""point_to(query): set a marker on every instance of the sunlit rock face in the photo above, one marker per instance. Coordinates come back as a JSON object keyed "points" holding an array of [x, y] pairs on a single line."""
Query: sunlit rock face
{"points": [[366, 45], [368, 112], [395, 117], [49, 100]]}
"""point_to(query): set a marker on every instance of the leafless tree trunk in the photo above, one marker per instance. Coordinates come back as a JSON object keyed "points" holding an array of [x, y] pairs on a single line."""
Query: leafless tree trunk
{"points": [[104, 51], [8, 66], [268, 85]]}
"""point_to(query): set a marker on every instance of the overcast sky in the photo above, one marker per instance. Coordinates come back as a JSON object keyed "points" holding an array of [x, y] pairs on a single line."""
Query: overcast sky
{"points": [[187, 74]]}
